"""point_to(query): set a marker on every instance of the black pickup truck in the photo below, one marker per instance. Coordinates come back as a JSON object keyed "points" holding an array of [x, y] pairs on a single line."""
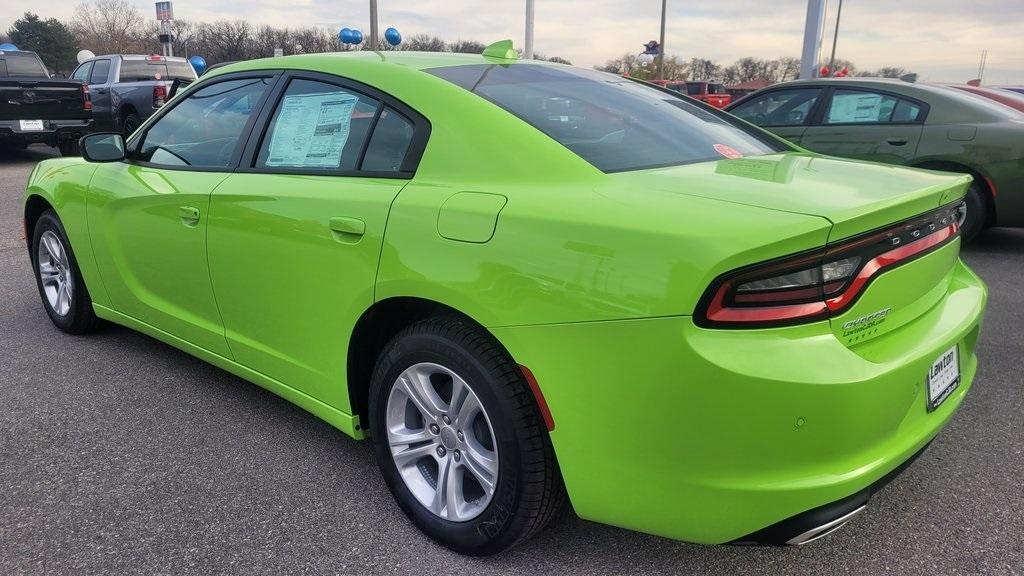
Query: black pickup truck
{"points": [[37, 108]]}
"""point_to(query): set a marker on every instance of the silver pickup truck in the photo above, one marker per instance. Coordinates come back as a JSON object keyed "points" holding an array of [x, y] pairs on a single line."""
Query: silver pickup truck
{"points": [[126, 89]]}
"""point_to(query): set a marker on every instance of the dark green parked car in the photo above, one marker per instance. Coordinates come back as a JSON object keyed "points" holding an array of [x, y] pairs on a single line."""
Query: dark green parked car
{"points": [[896, 122]]}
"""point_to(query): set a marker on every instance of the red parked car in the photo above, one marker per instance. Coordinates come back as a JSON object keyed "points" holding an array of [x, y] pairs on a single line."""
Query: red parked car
{"points": [[1004, 97], [713, 93]]}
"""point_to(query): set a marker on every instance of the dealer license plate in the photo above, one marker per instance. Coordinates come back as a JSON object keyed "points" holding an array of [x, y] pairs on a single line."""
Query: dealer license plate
{"points": [[28, 125], [943, 377]]}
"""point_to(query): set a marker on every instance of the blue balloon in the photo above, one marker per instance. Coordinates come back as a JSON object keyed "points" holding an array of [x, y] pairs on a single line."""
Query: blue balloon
{"points": [[8, 47], [198, 64], [392, 36], [345, 35], [357, 37]]}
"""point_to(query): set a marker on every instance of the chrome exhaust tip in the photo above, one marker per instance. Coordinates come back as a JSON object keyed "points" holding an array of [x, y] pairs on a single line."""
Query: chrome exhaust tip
{"points": [[824, 529]]}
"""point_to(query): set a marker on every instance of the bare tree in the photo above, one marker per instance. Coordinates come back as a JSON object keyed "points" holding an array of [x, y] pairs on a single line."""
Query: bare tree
{"points": [[425, 43], [227, 41], [704, 69], [467, 47], [108, 26], [789, 69]]}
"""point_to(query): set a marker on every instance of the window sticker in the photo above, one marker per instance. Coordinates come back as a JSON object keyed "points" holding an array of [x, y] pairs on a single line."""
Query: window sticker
{"points": [[855, 108], [311, 130]]}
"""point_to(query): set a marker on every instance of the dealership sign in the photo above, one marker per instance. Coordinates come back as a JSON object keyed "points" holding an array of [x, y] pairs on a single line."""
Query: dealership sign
{"points": [[164, 12]]}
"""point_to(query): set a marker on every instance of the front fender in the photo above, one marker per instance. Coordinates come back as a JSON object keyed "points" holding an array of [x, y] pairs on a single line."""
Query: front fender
{"points": [[63, 184]]}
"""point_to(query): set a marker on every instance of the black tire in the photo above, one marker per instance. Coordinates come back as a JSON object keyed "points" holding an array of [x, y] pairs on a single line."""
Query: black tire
{"points": [[528, 491], [977, 213], [79, 318], [69, 148], [129, 124]]}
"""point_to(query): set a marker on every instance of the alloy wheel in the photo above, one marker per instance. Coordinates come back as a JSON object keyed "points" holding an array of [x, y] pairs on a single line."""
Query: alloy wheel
{"points": [[442, 442], [54, 269]]}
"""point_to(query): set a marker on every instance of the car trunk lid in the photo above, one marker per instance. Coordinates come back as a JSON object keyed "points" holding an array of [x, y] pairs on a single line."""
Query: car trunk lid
{"points": [[858, 199]]}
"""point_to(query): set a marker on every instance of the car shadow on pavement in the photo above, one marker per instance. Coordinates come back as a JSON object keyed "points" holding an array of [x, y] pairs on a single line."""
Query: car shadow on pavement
{"points": [[34, 153]]}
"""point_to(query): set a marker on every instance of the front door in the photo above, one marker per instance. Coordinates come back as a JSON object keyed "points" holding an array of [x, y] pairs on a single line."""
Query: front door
{"points": [[148, 215], [99, 94], [295, 237], [868, 125], [785, 112]]}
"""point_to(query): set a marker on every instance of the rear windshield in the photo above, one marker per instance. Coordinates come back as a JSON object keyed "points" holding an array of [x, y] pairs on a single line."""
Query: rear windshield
{"points": [[22, 64], [142, 70], [614, 123]]}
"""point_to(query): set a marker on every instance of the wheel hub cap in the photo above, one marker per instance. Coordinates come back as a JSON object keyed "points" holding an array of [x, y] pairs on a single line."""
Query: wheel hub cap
{"points": [[55, 273], [442, 442]]}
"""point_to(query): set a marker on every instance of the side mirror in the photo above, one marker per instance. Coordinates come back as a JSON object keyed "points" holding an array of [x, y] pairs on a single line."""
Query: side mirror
{"points": [[102, 147]]}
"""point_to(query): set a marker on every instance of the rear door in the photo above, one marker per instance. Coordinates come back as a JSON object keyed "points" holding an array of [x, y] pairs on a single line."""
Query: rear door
{"points": [[148, 216], [295, 235], [99, 80], [784, 111], [868, 125]]}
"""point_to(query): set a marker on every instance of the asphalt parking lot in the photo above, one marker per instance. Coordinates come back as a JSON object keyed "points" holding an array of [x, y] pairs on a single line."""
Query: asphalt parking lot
{"points": [[119, 455]]}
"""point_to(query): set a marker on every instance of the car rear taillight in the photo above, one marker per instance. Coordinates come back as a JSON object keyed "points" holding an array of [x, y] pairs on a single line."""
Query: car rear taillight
{"points": [[159, 95], [822, 283], [86, 100]]}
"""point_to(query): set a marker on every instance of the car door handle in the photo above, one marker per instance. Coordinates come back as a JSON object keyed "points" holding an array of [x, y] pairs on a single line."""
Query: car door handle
{"points": [[189, 215], [897, 141], [347, 229]]}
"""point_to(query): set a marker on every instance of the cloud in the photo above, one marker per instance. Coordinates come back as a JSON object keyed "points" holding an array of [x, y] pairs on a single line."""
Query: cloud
{"points": [[941, 39]]}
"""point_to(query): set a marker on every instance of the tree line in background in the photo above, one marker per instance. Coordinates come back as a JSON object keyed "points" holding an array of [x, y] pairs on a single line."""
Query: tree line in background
{"points": [[117, 27], [743, 70]]}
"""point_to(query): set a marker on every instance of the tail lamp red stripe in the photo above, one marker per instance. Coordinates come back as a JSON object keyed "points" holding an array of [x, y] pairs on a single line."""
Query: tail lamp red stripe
{"points": [[742, 299]]}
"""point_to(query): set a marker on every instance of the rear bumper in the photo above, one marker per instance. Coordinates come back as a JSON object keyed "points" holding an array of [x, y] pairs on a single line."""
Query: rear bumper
{"points": [[54, 132], [711, 436]]}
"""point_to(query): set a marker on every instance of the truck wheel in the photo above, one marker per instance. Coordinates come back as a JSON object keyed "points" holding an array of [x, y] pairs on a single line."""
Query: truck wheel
{"points": [[130, 124], [69, 148]]}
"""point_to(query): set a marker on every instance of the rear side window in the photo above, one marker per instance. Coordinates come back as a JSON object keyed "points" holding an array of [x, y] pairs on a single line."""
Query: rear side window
{"points": [[694, 88], [82, 72], [779, 107], [317, 127], [389, 143], [100, 72], [203, 130], [24, 64], [860, 107], [614, 123]]}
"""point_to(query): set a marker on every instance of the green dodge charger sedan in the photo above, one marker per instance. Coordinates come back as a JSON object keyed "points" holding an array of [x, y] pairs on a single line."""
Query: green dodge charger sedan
{"points": [[532, 286], [925, 126]]}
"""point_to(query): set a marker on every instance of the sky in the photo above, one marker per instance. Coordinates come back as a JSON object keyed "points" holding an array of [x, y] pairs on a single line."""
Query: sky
{"points": [[942, 40]]}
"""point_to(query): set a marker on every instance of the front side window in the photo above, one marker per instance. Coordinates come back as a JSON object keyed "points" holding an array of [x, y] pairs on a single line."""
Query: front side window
{"points": [[613, 123], [317, 126], [779, 107], [203, 130], [860, 107], [100, 71], [82, 72]]}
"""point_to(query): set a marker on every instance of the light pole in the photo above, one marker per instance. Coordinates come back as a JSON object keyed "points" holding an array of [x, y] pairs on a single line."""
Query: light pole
{"points": [[835, 38], [528, 45], [813, 30], [661, 43], [373, 24]]}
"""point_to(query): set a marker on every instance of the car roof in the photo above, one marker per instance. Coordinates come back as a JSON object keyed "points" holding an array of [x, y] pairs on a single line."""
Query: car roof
{"points": [[411, 60], [140, 57]]}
